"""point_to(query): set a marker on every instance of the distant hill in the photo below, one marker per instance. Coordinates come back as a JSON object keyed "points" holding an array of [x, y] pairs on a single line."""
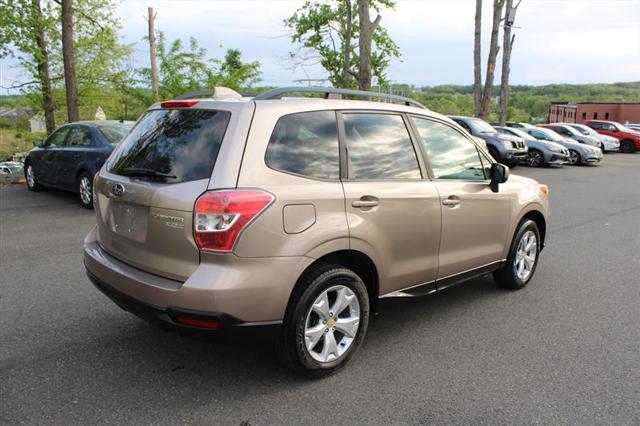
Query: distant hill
{"points": [[527, 103]]}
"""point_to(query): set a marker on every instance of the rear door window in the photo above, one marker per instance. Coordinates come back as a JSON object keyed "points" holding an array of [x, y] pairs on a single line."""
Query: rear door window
{"points": [[57, 139], [306, 144], [379, 147], [79, 137], [172, 145]]}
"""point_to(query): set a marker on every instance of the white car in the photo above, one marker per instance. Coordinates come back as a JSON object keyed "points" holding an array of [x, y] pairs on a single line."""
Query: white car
{"points": [[607, 143]]}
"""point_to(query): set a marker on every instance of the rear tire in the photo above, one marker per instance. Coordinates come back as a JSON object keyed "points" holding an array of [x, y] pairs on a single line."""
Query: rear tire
{"points": [[85, 190], [627, 147], [522, 259], [32, 180], [325, 322]]}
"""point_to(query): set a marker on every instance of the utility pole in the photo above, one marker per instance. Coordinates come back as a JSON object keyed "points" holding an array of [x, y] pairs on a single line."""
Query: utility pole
{"points": [[153, 55], [68, 57]]}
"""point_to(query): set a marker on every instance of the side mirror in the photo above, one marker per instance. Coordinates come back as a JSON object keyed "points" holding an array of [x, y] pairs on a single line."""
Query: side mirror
{"points": [[38, 143], [499, 174]]}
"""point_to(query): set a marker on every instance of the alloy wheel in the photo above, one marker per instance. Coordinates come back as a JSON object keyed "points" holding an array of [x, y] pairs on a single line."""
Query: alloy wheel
{"points": [[574, 157], [535, 159], [526, 254], [332, 324], [85, 190], [31, 178]]}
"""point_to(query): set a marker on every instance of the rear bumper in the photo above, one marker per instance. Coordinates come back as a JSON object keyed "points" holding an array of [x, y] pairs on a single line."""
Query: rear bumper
{"points": [[236, 292]]}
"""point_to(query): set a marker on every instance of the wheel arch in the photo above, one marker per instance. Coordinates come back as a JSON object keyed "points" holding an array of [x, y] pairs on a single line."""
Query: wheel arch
{"points": [[536, 216], [355, 260]]}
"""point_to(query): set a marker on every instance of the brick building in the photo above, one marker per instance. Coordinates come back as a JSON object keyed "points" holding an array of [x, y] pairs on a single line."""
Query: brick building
{"points": [[622, 112]]}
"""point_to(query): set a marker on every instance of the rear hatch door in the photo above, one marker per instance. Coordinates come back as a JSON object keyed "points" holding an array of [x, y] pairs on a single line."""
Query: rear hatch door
{"points": [[146, 192]]}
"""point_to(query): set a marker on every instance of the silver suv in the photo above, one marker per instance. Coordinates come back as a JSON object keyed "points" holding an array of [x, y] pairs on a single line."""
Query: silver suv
{"points": [[224, 213]]}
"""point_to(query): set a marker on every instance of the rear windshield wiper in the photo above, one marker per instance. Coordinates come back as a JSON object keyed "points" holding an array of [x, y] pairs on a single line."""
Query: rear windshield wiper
{"points": [[143, 172]]}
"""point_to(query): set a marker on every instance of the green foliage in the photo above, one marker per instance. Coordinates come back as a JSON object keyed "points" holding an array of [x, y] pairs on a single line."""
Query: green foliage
{"points": [[319, 26], [183, 70], [99, 56], [234, 73], [526, 103]]}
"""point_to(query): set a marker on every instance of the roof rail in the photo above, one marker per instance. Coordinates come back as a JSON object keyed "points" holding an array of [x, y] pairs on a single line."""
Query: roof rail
{"points": [[328, 91]]}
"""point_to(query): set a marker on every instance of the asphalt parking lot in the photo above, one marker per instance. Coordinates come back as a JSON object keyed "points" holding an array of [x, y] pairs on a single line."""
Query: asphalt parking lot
{"points": [[566, 349]]}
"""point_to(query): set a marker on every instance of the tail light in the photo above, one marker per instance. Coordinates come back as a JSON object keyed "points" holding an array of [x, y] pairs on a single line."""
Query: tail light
{"points": [[220, 216]]}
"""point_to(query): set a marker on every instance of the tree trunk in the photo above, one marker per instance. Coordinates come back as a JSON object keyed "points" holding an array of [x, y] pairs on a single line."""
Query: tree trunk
{"points": [[348, 34], [506, 60], [477, 59], [491, 60], [153, 56], [69, 60], [367, 29], [42, 59]]}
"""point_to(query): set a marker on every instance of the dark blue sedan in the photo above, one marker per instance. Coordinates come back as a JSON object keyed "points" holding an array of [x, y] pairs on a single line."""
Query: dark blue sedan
{"points": [[71, 155]]}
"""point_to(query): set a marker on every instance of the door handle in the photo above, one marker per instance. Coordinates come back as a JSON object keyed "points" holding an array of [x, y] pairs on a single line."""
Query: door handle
{"points": [[452, 201], [365, 203], [75, 156]]}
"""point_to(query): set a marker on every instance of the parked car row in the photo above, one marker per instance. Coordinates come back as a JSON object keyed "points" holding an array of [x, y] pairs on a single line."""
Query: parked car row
{"points": [[553, 143]]}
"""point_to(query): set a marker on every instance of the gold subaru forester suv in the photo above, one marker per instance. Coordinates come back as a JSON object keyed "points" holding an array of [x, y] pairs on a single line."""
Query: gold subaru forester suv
{"points": [[225, 213]]}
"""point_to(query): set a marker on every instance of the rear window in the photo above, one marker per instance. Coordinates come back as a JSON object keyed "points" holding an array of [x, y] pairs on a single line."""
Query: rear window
{"points": [[114, 133], [172, 146], [306, 144]]}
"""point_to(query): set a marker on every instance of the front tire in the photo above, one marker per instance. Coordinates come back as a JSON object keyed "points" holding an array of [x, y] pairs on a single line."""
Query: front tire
{"points": [[535, 158], [494, 154], [325, 322], [574, 157], [85, 190], [32, 180], [522, 259]]}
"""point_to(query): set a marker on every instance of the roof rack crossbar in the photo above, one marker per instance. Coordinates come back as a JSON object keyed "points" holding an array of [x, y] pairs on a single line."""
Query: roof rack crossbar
{"points": [[327, 91]]}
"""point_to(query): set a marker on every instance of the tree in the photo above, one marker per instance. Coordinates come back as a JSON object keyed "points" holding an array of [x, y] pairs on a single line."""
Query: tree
{"points": [[182, 70], [25, 26], [477, 59], [31, 30], [68, 58], [367, 28], [329, 35], [509, 16], [153, 53], [487, 91], [234, 73]]}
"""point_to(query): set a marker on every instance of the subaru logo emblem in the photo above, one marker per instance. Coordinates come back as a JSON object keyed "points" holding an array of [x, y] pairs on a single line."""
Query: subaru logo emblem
{"points": [[117, 190]]}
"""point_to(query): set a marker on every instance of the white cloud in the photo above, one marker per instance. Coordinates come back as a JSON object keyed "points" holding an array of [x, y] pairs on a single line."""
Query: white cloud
{"points": [[557, 41]]}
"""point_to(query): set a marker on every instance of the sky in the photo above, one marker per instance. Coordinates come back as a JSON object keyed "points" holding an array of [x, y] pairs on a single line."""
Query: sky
{"points": [[569, 41]]}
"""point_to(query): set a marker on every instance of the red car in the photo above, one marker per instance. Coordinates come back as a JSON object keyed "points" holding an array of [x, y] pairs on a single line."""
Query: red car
{"points": [[629, 139]]}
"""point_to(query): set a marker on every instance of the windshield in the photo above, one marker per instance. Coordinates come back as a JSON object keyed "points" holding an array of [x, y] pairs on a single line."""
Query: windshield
{"points": [[172, 145], [551, 134], [114, 133], [481, 126], [584, 129], [519, 133], [571, 130]]}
